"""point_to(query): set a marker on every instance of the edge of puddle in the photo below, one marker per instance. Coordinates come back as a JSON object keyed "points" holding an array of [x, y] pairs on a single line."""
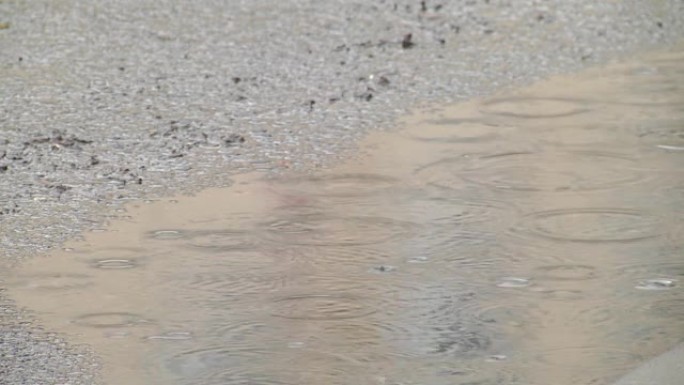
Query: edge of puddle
{"points": [[371, 145]]}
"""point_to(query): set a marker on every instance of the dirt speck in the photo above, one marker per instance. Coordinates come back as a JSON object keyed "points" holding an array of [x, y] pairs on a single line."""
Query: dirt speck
{"points": [[407, 42]]}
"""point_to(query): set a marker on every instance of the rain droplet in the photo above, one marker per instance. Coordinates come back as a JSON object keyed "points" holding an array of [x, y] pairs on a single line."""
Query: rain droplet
{"points": [[383, 269], [513, 282], [167, 234], [114, 264], [670, 148], [656, 284], [419, 259], [119, 334], [496, 358], [172, 336]]}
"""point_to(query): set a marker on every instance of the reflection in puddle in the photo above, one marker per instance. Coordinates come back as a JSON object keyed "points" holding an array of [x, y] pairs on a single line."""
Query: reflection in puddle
{"points": [[527, 239]]}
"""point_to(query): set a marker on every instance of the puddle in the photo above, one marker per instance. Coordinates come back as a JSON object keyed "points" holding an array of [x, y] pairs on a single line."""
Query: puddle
{"points": [[530, 238]]}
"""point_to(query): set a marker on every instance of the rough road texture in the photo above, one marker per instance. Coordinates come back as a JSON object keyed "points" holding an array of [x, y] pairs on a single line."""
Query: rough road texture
{"points": [[103, 102]]}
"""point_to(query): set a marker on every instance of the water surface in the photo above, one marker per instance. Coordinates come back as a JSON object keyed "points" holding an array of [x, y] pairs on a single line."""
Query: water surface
{"points": [[531, 238]]}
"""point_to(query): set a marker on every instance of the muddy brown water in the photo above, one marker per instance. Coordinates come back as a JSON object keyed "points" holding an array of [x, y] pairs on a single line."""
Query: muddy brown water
{"points": [[533, 238]]}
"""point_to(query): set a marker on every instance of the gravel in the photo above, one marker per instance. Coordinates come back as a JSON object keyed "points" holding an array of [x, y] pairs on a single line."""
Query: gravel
{"points": [[106, 102]]}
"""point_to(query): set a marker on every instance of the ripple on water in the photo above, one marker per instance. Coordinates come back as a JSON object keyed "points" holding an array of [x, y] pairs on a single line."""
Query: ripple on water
{"points": [[367, 341], [341, 185], [591, 357], [530, 107], [457, 131], [171, 336], [110, 320], [232, 262], [220, 284], [208, 240], [248, 332], [650, 90], [452, 372], [52, 281], [648, 269], [591, 225], [551, 171], [456, 252], [323, 230], [370, 340], [288, 376], [169, 234], [340, 283], [567, 272], [321, 307], [198, 364], [228, 365], [115, 264], [583, 364], [335, 257], [669, 308], [602, 314], [455, 340], [501, 316], [449, 211], [220, 240]]}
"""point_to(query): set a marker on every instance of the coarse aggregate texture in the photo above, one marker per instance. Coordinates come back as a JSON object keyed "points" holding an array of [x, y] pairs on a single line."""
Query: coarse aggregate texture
{"points": [[103, 102]]}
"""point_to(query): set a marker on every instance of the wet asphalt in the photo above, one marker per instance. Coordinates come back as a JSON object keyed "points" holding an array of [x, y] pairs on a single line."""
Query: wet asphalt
{"points": [[104, 102]]}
